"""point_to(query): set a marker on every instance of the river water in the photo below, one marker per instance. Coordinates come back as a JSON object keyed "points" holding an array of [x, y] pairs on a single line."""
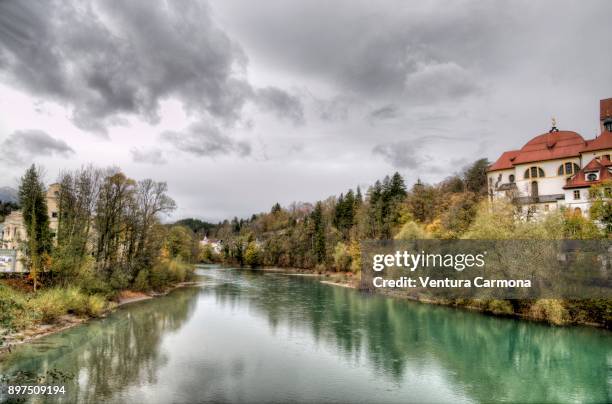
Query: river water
{"points": [[250, 336]]}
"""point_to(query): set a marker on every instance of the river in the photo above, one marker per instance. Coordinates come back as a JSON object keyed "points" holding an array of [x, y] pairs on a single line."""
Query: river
{"points": [[253, 336]]}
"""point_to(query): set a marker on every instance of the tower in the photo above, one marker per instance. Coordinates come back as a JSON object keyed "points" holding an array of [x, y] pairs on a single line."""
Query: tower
{"points": [[605, 115]]}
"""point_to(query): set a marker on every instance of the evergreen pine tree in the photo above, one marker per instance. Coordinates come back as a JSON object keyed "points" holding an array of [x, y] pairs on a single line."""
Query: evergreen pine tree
{"points": [[35, 216]]}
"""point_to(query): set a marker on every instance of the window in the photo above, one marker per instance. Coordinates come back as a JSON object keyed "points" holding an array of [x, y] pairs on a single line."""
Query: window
{"points": [[591, 177], [577, 194], [534, 172], [534, 189], [606, 156], [568, 169], [511, 178]]}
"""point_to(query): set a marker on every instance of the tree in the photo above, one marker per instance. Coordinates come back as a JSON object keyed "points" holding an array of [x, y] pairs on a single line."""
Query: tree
{"points": [[318, 238], [276, 208], [180, 243], [601, 208], [475, 177], [342, 257], [36, 219], [252, 256]]}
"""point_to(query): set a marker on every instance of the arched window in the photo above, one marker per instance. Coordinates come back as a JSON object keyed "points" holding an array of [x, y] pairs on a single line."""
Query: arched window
{"points": [[511, 178], [591, 177], [534, 172], [568, 168]]}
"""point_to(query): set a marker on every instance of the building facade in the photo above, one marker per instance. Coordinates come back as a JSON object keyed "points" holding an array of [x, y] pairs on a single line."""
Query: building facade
{"points": [[555, 170], [13, 233]]}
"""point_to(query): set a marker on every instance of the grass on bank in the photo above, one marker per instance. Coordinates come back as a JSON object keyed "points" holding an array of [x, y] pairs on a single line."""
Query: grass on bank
{"points": [[21, 308]]}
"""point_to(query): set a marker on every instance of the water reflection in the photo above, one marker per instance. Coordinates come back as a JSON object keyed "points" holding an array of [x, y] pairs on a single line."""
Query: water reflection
{"points": [[108, 355], [490, 357], [257, 337]]}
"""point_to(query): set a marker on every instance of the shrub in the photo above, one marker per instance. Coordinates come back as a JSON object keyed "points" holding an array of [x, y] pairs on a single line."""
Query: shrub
{"points": [[49, 305], [96, 305], [550, 310], [169, 271], [342, 258], [13, 311], [141, 282], [499, 307], [411, 231]]}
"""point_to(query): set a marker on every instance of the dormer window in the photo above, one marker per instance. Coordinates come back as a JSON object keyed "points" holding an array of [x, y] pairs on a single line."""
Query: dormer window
{"points": [[592, 176]]}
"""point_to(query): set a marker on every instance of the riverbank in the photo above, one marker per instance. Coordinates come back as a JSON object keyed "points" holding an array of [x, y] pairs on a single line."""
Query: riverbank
{"points": [[67, 321], [550, 311]]}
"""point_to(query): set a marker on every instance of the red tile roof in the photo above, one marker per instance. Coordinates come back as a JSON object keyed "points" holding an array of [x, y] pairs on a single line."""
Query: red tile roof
{"points": [[603, 141], [551, 146], [504, 161], [597, 164]]}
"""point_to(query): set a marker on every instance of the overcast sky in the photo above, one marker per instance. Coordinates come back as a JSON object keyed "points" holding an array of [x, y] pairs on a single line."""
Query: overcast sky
{"points": [[239, 104]]}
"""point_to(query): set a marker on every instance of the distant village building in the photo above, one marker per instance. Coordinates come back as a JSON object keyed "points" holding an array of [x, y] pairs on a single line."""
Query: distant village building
{"points": [[215, 245], [13, 233], [555, 169]]}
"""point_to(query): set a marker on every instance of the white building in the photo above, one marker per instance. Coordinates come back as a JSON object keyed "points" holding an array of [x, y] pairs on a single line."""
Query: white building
{"points": [[555, 169], [215, 245], [13, 233]]}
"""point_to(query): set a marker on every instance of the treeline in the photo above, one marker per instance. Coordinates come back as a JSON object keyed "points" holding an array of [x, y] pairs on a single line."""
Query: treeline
{"points": [[109, 234], [109, 237], [326, 236]]}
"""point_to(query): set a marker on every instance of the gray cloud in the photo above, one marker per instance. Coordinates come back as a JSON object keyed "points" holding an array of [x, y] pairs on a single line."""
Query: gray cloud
{"points": [[335, 109], [205, 140], [22, 146], [106, 59], [387, 112], [284, 105], [401, 154], [148, 156], [413, 153]]}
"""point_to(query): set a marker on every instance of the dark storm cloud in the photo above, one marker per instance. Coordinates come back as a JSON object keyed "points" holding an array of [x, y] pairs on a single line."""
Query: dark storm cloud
{"points": [[106, 59], [22, 146], [153, 156], [205, 140], [285, 106]]}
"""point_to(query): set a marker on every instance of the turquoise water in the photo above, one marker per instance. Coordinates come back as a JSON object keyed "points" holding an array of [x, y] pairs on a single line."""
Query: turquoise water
{"points": [[248, 336]]}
